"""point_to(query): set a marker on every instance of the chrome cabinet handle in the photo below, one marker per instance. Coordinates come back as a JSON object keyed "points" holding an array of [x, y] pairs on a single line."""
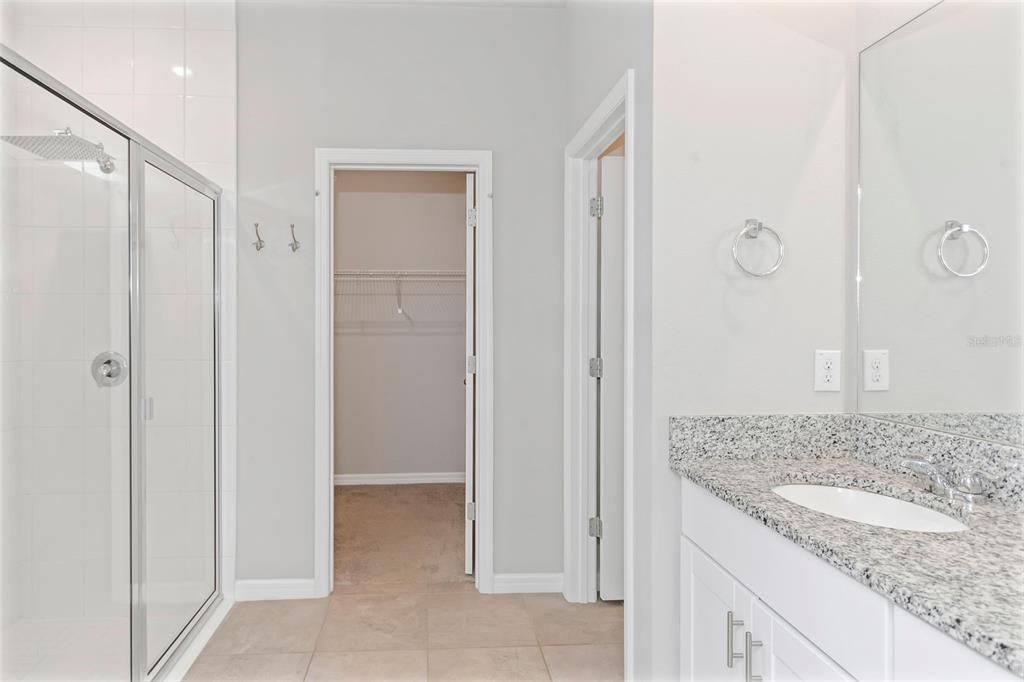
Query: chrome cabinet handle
{"points": [[730, 624], [750, 644]]}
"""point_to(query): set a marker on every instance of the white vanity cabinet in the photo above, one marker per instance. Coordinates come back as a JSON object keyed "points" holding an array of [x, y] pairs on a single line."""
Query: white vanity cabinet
{"points": [[728, 634], [806, 619]]}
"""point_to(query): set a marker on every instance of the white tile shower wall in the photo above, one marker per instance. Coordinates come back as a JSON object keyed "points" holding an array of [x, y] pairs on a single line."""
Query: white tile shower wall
{"points": [[168, 70]]}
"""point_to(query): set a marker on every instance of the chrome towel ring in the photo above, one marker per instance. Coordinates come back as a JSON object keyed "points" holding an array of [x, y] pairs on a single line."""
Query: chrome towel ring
{"points": [[954, 230], [752, 229]]}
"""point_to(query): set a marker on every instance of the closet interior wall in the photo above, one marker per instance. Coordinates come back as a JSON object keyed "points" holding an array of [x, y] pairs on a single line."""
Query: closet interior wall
{"points": [[399, 344]]}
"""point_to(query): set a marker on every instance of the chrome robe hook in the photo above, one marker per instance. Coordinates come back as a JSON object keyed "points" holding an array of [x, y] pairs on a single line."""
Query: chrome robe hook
{"points": [[294, 244], [259, 243]]}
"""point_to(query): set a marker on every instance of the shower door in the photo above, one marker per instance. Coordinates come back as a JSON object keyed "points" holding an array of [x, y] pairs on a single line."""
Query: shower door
{"points": [[176, 478], [64, 360]]}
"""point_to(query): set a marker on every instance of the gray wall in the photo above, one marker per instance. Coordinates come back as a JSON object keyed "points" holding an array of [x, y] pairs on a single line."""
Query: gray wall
{"points": [[353, 75], [605, 39]]}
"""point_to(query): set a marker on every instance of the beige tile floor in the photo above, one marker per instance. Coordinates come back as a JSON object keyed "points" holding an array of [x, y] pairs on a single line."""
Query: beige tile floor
{"points": [[403, 610]]}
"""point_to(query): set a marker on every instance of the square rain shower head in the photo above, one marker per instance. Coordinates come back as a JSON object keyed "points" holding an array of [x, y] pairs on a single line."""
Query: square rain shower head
{"points": [[63, 145]]}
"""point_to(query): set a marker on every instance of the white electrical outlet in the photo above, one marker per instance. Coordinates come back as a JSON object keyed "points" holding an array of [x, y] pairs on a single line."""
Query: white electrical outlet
{"points": [[876, 370], [826, 370]]}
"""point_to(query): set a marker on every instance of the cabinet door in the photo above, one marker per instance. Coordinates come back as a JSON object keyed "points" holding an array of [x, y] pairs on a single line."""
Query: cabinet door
{"points": [[784, 654], [791, 657], [709, 595]]}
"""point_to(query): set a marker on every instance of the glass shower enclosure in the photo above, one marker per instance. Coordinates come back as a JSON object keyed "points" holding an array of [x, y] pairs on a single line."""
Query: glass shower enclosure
{"points": [[108, 390]]}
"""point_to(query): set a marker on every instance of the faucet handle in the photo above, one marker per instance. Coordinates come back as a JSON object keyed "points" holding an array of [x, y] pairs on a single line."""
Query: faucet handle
{"points": [[975, 483], [968, 488], [919, 465], [937, 481]]}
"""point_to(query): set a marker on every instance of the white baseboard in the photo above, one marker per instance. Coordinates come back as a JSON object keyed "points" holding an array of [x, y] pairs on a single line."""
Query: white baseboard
{"points": [[263, 590], [513, 583], [399, 479], [189, 654]]}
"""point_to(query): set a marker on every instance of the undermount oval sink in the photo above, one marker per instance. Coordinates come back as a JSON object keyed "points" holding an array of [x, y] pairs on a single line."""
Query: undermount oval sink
{"points": [[869, 508]]}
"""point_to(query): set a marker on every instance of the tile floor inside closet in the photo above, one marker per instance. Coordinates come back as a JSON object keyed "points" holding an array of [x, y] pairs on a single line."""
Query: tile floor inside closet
{"points": [[403, 610]]}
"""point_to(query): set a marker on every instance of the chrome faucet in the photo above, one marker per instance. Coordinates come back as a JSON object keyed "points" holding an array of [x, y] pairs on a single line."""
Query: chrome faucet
{"points": [[971, 488]]}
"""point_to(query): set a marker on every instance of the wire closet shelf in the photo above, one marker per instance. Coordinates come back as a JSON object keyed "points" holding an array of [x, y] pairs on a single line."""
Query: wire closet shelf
{"points": [[400, 301]]}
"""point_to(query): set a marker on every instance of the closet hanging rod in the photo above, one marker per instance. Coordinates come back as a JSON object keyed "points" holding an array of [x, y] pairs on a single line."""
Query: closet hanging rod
{"points": [[452, 275]]}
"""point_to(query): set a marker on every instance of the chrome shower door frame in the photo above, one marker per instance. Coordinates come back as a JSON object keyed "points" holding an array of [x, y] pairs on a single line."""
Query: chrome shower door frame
{"points": [[139, 156], [142, 151]]}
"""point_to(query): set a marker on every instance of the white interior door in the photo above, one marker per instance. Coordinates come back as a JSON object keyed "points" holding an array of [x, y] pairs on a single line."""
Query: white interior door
{"points": [[470, 368], [610, 546]]}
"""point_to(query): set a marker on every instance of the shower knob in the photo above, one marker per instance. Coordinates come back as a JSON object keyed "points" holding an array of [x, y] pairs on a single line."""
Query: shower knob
{"points": [[109, 369]]}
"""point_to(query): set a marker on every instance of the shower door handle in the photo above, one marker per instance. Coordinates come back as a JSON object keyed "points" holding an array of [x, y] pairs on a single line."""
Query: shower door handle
{"points": [[109, 369]]}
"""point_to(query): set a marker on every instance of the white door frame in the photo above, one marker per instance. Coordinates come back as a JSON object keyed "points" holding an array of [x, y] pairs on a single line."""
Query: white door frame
{"points": [[613, 117], [329, 160]]}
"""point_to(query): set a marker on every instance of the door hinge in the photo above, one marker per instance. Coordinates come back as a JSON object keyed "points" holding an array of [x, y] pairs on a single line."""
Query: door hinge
{"points": [[596, 367], [471, 511], [471, 218], [597, 207], [594, 527], [470, 364]]}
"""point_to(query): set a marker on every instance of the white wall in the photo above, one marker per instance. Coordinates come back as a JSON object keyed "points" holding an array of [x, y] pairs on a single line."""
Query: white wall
{"points": [[605, 39], [741, 137], [399, 76], [399, 396], [759, 130]]}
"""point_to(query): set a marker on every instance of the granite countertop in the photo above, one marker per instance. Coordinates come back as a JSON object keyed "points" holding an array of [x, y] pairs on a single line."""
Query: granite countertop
{"points": [[969, 584]]}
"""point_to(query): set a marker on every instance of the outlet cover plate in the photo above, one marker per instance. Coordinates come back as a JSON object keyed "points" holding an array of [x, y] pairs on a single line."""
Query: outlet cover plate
{"points": [[876, 370], [827, 370]]}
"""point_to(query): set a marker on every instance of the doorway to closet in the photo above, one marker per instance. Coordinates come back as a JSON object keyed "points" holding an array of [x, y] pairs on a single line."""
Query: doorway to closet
{"points": [[404, 406], [404, 345]]}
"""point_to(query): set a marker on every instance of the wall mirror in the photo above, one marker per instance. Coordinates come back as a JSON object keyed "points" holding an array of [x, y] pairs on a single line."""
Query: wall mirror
{"points": [[941, 250]]}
